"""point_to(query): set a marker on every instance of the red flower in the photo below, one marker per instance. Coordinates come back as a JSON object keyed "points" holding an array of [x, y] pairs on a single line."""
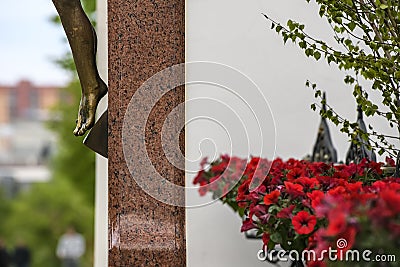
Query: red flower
{"points": [[294, 190], [219, 168], [295, 173], [325, 180], [247, 225], [265, 239], [389, 203], [199, 177], [379, 185], [345, 241], [315, 197], [316, 263], [272, 197], [261, 211], [394, 228], [337, 191], [354, 187], [310, 183], [317, 168], [203, 188], [337, 222], [243, 190], [390, 162], [304, 223], [286, 212]]}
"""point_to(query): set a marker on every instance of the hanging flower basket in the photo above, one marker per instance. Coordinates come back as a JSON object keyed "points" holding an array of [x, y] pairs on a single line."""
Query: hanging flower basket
{"points": [[312, 207]]}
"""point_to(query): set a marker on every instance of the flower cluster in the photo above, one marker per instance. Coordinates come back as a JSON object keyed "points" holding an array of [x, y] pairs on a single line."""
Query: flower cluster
{"points": [[309, 205]]}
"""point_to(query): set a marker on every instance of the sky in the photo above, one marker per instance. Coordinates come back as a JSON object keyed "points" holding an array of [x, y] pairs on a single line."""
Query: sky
{"points": [[30, 43]]}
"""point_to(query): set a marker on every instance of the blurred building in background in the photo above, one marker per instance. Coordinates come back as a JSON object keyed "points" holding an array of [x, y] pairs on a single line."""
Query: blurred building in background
{"points": [[25, 141]]}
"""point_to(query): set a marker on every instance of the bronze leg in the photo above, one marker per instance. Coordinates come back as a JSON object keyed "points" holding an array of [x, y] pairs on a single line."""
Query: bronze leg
{"points": [[83, 41]]}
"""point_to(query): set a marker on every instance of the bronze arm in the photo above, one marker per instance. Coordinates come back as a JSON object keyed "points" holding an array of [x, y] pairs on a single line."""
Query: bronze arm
{"points": [[83, 42]]}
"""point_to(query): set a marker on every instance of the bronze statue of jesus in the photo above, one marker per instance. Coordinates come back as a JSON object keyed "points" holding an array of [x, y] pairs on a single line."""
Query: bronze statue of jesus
{"points": [[83, 41]]}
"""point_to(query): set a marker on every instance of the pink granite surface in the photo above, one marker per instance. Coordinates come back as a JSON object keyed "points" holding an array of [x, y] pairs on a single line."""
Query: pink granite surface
{"points": [[145, 37]]}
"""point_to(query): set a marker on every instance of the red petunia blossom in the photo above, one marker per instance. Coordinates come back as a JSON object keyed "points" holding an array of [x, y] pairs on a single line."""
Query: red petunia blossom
{"points": [[219, 168], [251, 166], [272, 197], [286, 212], [247, 225], [203, 188], [354, 187], [379, 185], [310, 183], [337, 222], [317, 168], [295, 173], [316, 263], [376, 167], [304, 223], [265, 239], [389, 203], [261, 212], [394, 228], [325, 181], [315, 197], [337, 191], [199, 177], [243, 189], [390, 162], [294, 190], [349, 235]]}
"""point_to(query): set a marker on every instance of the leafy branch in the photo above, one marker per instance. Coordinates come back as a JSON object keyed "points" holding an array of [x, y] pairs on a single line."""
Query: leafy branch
{"points": [[368, 31]]}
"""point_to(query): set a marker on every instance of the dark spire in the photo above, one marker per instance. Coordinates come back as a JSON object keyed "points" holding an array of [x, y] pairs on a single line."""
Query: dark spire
{"points": [[323, 150], [359, 151]]}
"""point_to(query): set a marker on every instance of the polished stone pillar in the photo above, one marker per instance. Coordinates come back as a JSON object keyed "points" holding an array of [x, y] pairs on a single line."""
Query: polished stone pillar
{"points": [[144, 37]]}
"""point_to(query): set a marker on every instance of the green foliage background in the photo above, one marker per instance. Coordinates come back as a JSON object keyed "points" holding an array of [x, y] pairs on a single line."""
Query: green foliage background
{"points": [[40, 215], [367, 50]]}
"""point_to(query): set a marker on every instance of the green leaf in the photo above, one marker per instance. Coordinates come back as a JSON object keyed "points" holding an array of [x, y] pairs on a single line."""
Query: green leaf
{"points": [[383, 6], [303, 44], [351, 25], [276, 237], [317, 55], [291, 25], [309, 52], [273, 208], [241, 211], [271, 245], [313, 107]]}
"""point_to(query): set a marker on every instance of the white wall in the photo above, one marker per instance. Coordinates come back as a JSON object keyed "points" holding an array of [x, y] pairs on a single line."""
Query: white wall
{"points": [[101, 192], [234, 33]]}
